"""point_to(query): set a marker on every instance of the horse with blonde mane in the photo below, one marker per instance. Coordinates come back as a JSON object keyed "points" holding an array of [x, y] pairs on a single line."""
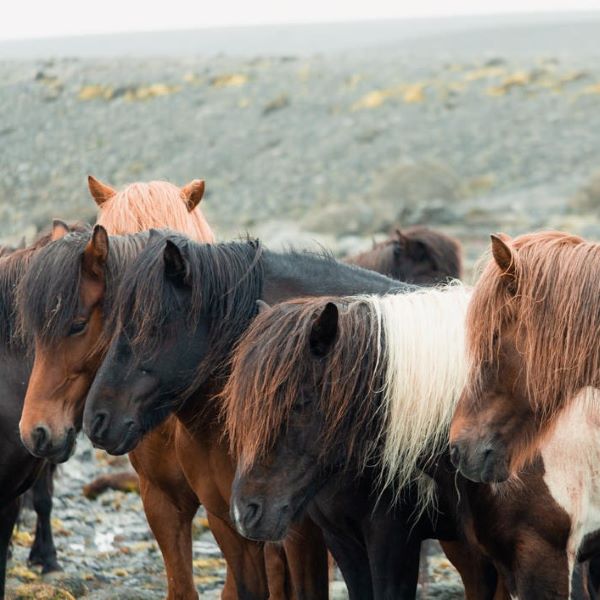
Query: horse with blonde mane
{"points": [[66, 361]]}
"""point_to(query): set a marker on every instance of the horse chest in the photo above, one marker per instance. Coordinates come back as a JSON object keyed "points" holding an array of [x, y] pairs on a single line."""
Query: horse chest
{"points": [[572, 474]]}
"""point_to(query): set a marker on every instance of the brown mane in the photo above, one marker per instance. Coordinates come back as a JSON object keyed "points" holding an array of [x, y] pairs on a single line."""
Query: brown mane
{"points": [[157, 204], [554, 302], [256, 408]]}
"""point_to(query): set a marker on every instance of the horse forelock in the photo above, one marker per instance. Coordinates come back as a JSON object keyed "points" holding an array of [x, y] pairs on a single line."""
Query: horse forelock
{"points": [[49, 293], [156, 204], [553, 308], [225, 281], [272, 363]]}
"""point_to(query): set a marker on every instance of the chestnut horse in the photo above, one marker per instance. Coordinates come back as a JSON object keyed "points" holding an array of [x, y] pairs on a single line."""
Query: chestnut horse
{"points": [[372, 383], [415, 255], [532, 332], [532, 337], [66, 361], [19, 470]]}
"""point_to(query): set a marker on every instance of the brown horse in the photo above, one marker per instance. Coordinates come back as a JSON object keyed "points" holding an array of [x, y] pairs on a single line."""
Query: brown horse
{"points": [[416, 255], [532, 337], [532, 334], [66, 363]]}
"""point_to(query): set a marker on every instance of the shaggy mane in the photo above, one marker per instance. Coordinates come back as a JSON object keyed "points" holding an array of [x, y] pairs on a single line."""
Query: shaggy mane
{"points": [[13, 267], [555, 305], [142, 206], [225, 281], [48, 295], [390, 383]]}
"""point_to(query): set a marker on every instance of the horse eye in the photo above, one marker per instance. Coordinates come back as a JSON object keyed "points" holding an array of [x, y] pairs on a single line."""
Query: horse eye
{"points": [[77, 327], [145, 370]]}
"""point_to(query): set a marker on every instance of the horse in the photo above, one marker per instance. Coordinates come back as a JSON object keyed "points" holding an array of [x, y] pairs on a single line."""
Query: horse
{"points": [[66, 362], [218, 297], [416, 255], [371, 384], [20, 470], [531, 336], [532, 329], [353, 414]]}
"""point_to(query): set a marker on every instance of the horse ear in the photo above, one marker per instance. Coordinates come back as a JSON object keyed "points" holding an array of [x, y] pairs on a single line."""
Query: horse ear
{"points": [[503, 254], [59, 230], [324, 330], [175, 265], [192, 193], [96, 254], [23, 242], [100, 191], [263, 307]]}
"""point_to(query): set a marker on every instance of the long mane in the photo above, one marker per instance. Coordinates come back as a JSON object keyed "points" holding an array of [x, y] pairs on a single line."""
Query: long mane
{"points": [[48, 295], [225, 281], [156, 204], [555, 306], [390, 383], [13, 267]]}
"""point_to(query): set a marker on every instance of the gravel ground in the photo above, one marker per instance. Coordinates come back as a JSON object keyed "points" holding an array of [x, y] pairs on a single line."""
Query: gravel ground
{"points": [[329, 149]]}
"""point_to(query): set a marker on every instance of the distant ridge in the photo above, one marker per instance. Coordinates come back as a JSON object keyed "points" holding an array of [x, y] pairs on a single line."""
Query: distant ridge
{"points": [[551, 33]]}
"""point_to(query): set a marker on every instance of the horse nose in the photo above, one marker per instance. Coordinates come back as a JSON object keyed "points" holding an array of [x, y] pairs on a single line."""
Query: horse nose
{"points": [[40, 437], [247, 515], [99, 426], [455, 455]]}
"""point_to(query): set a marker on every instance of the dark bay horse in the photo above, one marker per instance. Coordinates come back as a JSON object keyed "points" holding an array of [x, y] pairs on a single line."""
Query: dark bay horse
{"points": [[19, 470], [337, 408], [415, 255]]}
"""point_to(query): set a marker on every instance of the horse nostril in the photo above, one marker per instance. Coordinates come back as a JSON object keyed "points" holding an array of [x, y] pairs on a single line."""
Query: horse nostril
{"points": [[98, 429], [252, 514], [454, 455], [41, 438]]}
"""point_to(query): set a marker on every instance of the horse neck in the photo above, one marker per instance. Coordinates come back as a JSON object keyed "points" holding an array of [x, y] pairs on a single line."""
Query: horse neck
{"points": [[298, 275]]}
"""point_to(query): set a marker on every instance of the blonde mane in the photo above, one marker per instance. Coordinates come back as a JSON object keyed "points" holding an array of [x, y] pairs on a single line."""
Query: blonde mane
{"points": [[389, 388], [157, 204], [426, 371]]}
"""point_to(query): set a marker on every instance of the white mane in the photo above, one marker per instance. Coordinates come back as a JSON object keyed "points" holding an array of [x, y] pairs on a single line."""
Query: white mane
{"points": [[426, 369]]}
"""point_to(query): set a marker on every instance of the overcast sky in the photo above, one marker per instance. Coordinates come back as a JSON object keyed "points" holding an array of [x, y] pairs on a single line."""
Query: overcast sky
{"points": [[40, 18]]}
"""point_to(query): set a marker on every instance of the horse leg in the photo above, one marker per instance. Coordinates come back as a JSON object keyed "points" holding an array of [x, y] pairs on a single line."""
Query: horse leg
{"points": [[352, 559], [245, 558], [170, 506], [541, 571], [278, 574], [394, 559], [8, 518], [478, 575], [43, 551], [307, 561]]}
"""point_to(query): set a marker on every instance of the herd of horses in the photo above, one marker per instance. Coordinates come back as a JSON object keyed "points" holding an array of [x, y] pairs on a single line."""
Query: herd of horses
{"points": [[311, 405]]}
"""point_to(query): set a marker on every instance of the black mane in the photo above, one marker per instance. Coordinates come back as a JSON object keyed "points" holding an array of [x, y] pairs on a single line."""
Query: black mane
{"points": [[225, 280]]}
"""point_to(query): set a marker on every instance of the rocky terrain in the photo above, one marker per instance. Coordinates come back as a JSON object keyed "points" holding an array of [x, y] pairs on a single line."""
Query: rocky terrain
{"points": [[329, 149]]}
